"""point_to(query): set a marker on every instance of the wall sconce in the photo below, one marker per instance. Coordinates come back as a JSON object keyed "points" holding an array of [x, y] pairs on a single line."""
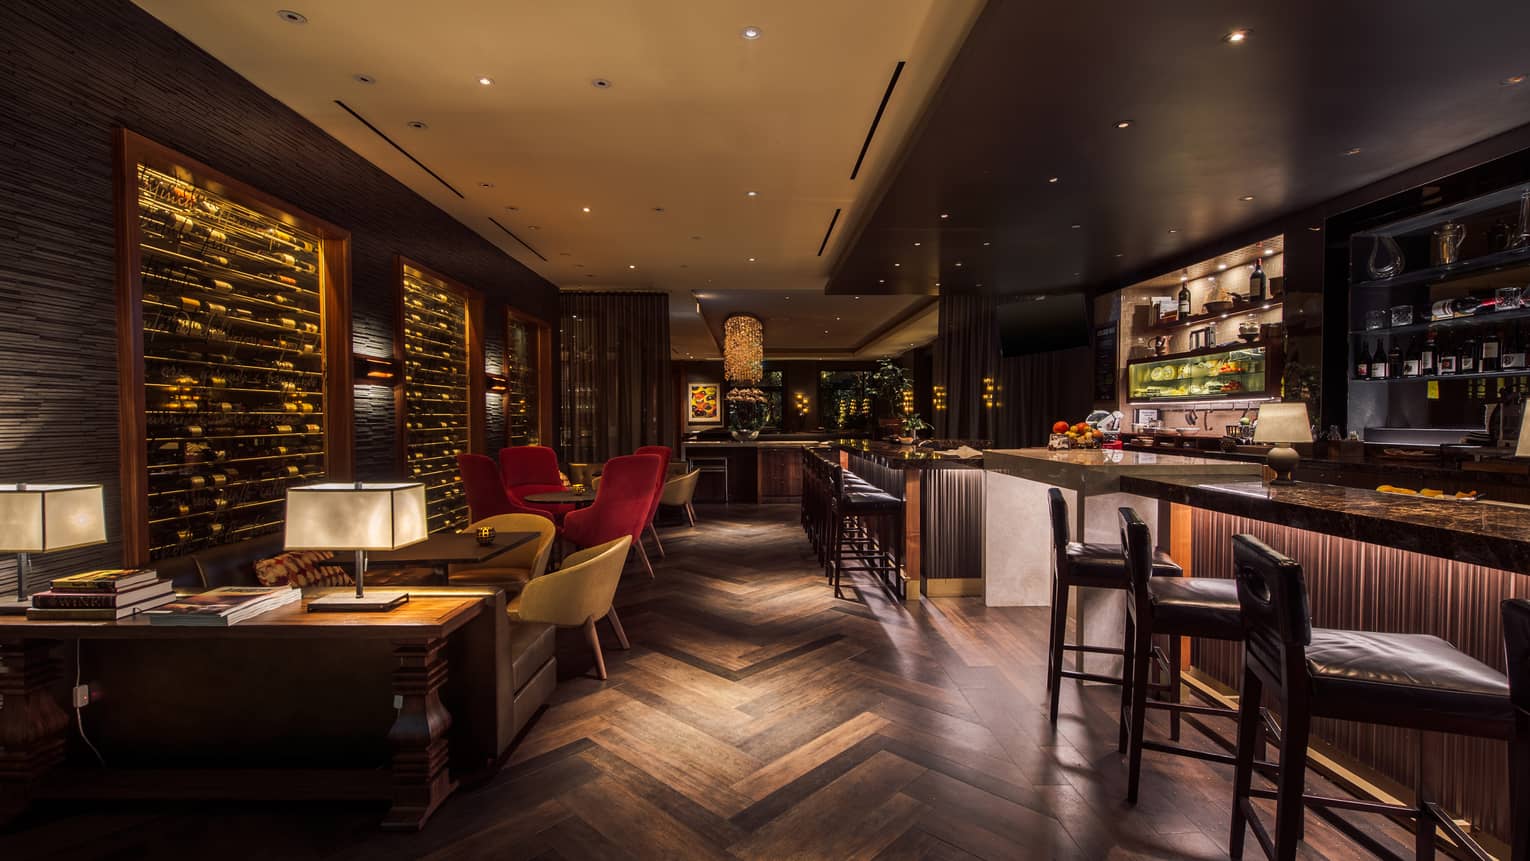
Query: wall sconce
{"points": [[497, 384], [800, 402], [991, 391], [908, 402], [938, 398], [372, 371]]}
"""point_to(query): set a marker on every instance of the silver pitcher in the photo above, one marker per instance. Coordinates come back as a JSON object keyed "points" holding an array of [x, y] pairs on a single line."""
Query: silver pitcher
{"points": [[1445, 244]]}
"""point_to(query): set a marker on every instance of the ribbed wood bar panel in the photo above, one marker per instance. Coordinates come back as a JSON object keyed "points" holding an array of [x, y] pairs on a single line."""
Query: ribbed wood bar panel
{"points": [[1359, 586]]}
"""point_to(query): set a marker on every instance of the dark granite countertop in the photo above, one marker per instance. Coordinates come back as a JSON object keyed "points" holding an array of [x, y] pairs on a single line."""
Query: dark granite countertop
{"points": [[1483, 533], [908, 456]]}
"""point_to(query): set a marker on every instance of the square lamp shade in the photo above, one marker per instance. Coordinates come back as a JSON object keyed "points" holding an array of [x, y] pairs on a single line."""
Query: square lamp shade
{"points": [[36, 518], [1283, 423], [355, 516], [1522, 447]]}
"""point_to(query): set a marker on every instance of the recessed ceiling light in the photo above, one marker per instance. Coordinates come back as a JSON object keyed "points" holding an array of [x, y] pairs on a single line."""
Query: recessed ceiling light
{"points": [[1075, 226], [958, 263], [836, 319], [416, 124], [897, 265], [1315, 229], [916, 244], [485, 185], [601, 84], [631, 265], [1512, 80], [750, 33], [945, 215], [1236, 37], [485, 80], [586, 209], [512, 209], [1221, 266], [1269, 251], [1354, 150], [855, 297], [292, 17], [1118, 254], [364, 79], [1052, 179], [533, 227], [695, 237], [1124, 124], [660, 209], [751, 194], [1246, 198], [1173, 230], [986, 244]]}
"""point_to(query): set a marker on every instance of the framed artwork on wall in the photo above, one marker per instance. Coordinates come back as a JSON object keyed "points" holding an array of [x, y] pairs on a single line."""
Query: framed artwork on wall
{"points": [[704, 404]]}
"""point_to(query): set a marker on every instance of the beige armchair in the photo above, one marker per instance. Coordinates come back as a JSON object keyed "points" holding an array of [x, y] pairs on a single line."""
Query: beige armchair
{"points": [[577, 594], [679, 490], [513, 567]]}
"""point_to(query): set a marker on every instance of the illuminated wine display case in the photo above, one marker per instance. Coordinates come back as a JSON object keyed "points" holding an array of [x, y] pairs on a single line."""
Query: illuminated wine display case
{"points": [[229, 388], [441, 382], [528, 357]]}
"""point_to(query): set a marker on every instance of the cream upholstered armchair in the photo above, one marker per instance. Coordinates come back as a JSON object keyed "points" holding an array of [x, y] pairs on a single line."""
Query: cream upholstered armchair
{"points": [[679, 490], [515, 566], [578, 594]]}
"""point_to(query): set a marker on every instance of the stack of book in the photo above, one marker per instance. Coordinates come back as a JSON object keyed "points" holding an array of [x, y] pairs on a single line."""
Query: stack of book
{"points": [[101, 596], [229, 605]]}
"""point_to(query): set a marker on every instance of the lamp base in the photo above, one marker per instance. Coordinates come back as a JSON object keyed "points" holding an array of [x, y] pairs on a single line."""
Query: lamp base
{"points": [[1282, 459], [376, 601], [15, 606]]}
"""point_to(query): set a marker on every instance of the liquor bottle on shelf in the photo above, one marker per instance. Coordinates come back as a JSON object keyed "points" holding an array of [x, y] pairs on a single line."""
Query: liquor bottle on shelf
{"points": [[1394, 362], [1488, 352], [1446, 358], [1463, 306], [1257, 284], [1513, 356], [1412, 360], [1184, 300], [1379, 364], [1427, 357], [1466, 357]]}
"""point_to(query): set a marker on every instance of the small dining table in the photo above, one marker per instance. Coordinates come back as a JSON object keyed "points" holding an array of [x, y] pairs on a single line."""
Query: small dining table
{"points": [[576, 498], [444, 549]]}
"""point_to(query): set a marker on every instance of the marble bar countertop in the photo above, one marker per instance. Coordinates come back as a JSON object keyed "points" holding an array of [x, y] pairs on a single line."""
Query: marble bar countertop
{"points": [[1484, 533], [901, 456], [1095, 470], [758, 443]]}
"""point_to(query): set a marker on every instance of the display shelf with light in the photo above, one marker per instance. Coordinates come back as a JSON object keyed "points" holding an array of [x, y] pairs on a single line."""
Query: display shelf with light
{"points": [[1226, 372], [441, 397], [234, 375], [528, 383]]}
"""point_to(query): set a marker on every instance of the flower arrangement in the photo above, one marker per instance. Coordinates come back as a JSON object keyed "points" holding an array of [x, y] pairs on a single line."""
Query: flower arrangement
{"points": [[746, 409]]}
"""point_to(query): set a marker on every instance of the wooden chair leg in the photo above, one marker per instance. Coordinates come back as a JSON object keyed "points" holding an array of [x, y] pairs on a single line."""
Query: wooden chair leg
{"points": [[616, 625], [1250, 730], [1059, 630], [1141, 672], [690, 514], [643, 555], [1175, 644], [1289, 807], [652, 530], [1423, 825], [594, 638]]}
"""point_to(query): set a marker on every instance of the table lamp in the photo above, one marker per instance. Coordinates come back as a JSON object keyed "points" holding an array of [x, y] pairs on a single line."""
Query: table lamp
{"points": [[1522, 446], [1283, 424], [358, 517], [37, 518]]}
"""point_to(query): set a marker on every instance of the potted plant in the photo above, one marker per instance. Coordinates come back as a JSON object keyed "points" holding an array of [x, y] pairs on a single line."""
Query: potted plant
{"points": [[913, 425], [746, 413]]}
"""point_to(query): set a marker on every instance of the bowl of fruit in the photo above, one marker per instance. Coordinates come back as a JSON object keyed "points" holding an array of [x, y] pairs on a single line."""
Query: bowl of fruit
{"points": [[1078, 435]]}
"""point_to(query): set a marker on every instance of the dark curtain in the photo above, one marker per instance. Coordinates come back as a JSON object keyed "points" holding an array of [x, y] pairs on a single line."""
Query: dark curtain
{"points": [[1028, 393], [617, 390]]}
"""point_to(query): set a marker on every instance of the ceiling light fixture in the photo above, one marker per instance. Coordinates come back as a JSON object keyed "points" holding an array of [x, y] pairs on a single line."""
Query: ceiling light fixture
{"points": [[1221, 266], [855, 297], [417, 125], [485, 80], [1236, 37], [1315, 229], [750, 33], [601, 84], [631, 265], [1268, 252], [485, 185], [958, 263], [1052, 179], [292, 17], [916, 245], [986, 244], [743, 349], [1124, 124], [897, 265], [586, 209], [1513, 80], [1075, 226], [751, 194], [945, 215], [751, 260], [365, 79], [1246, 198], [533, 227], [1354, 150], [1173, 230]]}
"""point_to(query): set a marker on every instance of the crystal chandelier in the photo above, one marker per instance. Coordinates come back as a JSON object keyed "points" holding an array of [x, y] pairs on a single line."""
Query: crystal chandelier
{"points": [[743, 349]]}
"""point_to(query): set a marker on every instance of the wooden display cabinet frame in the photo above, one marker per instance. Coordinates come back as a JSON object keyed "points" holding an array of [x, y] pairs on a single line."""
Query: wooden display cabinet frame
{"points": [[133, 149], [543, 350], [477, 376]]}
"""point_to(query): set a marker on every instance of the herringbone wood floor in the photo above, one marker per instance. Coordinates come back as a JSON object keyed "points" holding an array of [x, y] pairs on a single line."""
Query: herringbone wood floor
{"points": [[756, 717]]}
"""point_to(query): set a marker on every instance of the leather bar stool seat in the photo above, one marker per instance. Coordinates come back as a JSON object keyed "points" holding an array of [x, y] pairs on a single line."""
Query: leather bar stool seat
{"points": [[1196, 607], [868, 501], [1416, 673], [1104, 564], [866, 526]]}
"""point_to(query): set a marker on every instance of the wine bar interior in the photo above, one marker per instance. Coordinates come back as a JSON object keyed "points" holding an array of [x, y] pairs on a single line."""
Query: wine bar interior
{"points": [[864, 429]]}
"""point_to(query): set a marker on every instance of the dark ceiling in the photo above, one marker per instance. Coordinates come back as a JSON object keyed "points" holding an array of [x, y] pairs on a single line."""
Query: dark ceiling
{"points": [[1037, 91]]}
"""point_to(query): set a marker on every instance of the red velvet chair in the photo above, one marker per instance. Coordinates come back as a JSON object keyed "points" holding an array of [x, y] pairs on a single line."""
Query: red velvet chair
{"points": [[665, 453], [528, 469], [486, 496], [621, 505]]}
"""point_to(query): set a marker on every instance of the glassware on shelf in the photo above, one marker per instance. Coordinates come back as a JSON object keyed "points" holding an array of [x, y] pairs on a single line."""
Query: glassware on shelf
{"points": [[1521, 238], [1402, 315], [1376, 319], [1509, 299], [1445, 243], [1386, 260]]}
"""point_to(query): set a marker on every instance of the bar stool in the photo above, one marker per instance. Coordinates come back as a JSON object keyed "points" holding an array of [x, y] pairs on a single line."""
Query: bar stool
{"points": [[1413, 681], [1092, 566], [858, 514], [1178, 607], [1516, 639]]}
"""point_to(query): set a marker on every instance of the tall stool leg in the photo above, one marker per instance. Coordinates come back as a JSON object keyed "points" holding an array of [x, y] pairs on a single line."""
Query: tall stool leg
{"points": [[1289, 809], [1249, 732], [1135, 678], [1124, 714], [836, 554], [1423, 824], [1059, 630], [1519, 789], [1176, 643]]}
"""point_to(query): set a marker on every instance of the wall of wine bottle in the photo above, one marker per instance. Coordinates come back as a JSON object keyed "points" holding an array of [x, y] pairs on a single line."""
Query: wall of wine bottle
{"points": [[523, 346], [436, 393], [233, 363]]}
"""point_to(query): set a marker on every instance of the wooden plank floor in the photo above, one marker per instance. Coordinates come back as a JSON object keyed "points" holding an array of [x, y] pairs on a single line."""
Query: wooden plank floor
{"points": [[756, 717]]}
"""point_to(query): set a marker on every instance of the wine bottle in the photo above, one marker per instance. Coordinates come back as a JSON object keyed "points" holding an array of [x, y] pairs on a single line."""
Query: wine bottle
{"points": [[1379, 362], [1257, 284], [1362, 363], [1184, 300], [1513, 356], [1412, 360], [1426, 359], [1394, 362], [1466, 359], [1446, 358], [1463, 306], [1488, 352]]}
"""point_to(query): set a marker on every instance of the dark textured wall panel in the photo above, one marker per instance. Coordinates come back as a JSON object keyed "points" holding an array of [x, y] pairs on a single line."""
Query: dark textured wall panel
{"points": [[70, 72], [494, 363]]}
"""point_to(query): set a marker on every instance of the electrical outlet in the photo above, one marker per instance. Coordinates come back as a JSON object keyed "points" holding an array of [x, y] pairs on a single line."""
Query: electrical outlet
{"points": [[81, 696]]}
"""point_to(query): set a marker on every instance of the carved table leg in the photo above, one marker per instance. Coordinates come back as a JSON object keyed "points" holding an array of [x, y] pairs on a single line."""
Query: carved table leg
{"points": [[32, 724], [421, 780]]}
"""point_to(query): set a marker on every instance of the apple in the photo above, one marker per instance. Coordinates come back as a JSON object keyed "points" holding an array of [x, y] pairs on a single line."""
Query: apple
{"points": [[1060, 427]]}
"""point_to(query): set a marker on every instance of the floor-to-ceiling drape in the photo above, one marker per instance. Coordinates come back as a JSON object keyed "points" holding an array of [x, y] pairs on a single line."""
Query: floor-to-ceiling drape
{"points": [[1012, 402], [617, 391]]}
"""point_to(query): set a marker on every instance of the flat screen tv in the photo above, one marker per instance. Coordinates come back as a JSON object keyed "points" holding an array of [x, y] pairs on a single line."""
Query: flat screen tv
{"points": [[1041, 324]]}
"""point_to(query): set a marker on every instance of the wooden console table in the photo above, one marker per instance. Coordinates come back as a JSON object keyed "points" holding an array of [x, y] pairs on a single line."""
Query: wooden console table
{"points": [[34, 723]]}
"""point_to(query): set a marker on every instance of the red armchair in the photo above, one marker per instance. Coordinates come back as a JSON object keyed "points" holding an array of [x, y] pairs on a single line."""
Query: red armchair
{"points": [[486, 496], [528, 469], [664, 453], [621, 505]]}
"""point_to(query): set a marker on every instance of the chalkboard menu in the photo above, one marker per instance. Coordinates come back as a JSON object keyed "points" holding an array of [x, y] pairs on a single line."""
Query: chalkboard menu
{"points": [[1105, 362]]}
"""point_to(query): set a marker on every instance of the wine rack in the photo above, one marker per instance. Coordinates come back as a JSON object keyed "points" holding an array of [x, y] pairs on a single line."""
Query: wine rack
{"points": [[437, 392], [525, 339], [228, 312]]}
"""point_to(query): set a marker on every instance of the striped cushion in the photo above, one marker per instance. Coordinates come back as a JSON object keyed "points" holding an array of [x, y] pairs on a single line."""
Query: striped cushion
{"points": [[300, 568]]}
